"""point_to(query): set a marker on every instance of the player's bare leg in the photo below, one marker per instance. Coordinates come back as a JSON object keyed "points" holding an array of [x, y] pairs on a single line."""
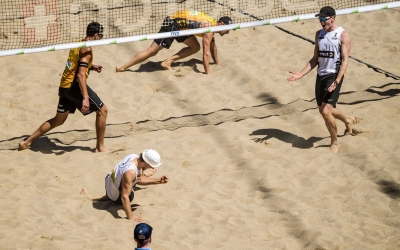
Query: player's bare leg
{"points": [[347, 120], [101, 116], [98, 198], [192, 47], [326, 111], [56, 121], [140, 57]]}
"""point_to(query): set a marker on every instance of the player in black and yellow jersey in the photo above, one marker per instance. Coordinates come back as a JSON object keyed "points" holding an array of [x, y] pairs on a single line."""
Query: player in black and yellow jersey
{"points": [[74, 93], [183, 20]]}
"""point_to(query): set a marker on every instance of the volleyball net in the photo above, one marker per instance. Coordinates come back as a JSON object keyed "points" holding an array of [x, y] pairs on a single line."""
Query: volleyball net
{"points": [[29, 26]]}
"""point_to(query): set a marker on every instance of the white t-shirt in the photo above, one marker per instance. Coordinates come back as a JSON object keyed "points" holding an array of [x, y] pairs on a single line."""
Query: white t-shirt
{"points": [[114, 179], [329, 54]]}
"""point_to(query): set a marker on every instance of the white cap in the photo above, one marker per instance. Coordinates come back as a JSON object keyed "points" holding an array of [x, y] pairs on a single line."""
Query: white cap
{"points": [[151, 157]]}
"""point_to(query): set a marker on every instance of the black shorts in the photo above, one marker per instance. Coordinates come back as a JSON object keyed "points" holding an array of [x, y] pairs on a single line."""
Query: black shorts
{"points": [[169, 26], [321, 90], [71, 99]]}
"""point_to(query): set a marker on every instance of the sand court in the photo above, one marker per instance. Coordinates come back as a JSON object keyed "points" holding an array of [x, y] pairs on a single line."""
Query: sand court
{"points": [[246, 151]]}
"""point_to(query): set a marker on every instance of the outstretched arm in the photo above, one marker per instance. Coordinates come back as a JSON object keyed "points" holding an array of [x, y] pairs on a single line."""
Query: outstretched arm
{"points": [[143, 180], [309, 66], [206, 51]]}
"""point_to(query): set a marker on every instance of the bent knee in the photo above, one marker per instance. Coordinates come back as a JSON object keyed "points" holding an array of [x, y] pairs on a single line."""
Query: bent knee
{"points": [[325, 112], [57, 121], [196, 47], [103, 110]]}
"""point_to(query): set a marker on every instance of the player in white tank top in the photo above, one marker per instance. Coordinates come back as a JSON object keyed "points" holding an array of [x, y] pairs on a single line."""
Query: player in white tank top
{"points": [[114, 178], [125, 175], [331, 55]]}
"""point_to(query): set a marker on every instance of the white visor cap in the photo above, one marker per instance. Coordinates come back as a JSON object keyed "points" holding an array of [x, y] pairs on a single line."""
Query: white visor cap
{"points": [[151, 157]]}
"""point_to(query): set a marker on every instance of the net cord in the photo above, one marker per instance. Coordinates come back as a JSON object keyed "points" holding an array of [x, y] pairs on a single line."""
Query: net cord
{"points": [[195, 31]]}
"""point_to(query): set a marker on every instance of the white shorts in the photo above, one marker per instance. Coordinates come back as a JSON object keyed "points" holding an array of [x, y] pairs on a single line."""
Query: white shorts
{"points": [[111, 190]]}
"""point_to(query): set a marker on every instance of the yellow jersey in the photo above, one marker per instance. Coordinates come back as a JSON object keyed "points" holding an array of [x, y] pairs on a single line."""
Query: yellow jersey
{"points": [[190, 19], [71, 68]]}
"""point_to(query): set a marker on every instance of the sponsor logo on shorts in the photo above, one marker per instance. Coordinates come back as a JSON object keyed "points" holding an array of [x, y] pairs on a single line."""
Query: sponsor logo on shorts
{"points": [[60, 108], [175, 33], [326, 54]]}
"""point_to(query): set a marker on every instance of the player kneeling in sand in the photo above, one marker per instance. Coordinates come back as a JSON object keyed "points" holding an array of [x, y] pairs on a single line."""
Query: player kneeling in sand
{"points": [[124, 177]]}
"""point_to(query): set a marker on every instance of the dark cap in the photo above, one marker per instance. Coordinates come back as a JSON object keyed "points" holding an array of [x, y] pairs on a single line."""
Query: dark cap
{"points": [[142, 231], [326, 11], [93, 28], [226, 20]]}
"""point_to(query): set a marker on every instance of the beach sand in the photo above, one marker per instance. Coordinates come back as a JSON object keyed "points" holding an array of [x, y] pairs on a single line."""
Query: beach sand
{"points": [[246, 151]]}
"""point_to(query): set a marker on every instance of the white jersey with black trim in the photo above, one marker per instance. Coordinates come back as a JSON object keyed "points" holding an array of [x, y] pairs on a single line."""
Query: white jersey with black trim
{"points": [[329, 54], [114, 179]]}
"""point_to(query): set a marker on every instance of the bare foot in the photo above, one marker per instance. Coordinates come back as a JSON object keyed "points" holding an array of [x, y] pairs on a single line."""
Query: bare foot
{"points": [[23, 145], [350, 122], [101, 150], [84, 192], [335, 147], [98, 198], [119, 69], [166, 65], [149, 172]]}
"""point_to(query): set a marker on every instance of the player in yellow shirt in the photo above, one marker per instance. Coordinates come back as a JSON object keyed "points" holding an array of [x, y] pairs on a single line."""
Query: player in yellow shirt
{"points": [[74, 93], [183, 20]]}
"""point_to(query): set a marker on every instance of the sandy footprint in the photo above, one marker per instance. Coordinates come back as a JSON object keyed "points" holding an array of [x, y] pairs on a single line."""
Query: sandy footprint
{"points": [[363, 133], [183, 71], [51, 238]]}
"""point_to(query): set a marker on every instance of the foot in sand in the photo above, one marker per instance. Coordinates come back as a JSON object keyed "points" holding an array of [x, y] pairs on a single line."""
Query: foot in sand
{"points": [[166, 65], [101, 150], [119, 69], [23, 145], [335, 146], [84, 192], [149, 172], [350, 122]]}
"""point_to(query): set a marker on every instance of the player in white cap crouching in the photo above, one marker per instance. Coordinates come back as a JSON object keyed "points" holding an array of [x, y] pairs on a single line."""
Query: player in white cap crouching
{"points": [[124, 177]]}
